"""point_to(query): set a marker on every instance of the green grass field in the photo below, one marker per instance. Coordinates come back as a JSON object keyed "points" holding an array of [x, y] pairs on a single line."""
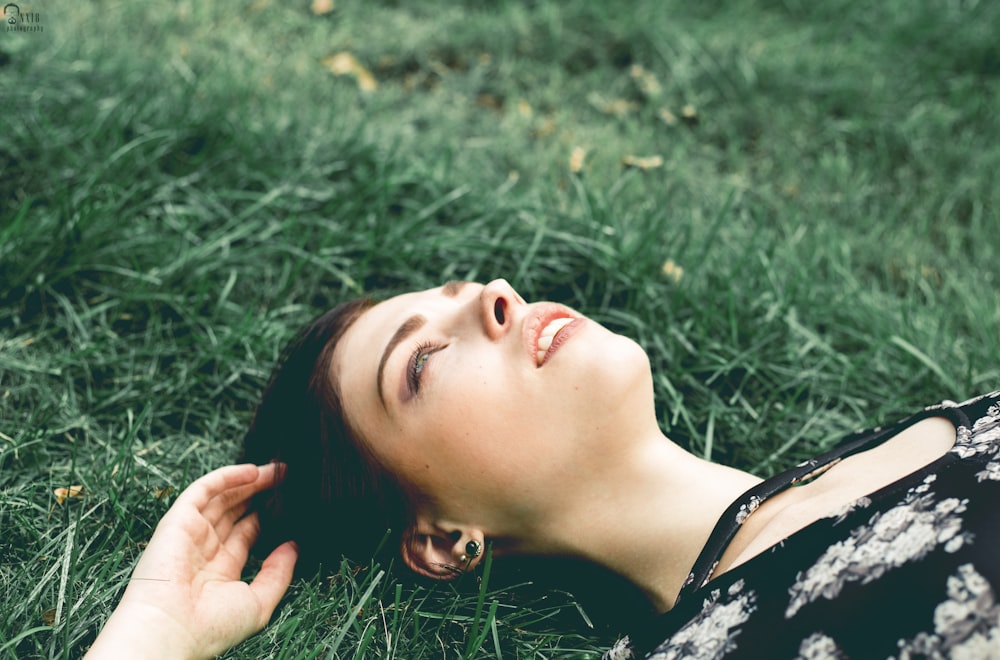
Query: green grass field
{"points": [[807, 242]]}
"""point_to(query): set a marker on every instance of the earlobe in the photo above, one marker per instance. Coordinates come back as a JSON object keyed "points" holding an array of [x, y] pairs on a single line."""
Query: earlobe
{"points": [[438, 554], [427, 556]]}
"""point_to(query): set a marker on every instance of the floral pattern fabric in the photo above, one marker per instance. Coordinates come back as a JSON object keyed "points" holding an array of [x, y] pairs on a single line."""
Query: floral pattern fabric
{"points": [[909, 571]]}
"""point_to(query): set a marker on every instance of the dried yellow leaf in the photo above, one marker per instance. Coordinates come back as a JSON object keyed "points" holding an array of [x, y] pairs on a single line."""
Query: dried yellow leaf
{"points": [[345, 64], [669, 118], [340, 64], [320, 7], [672, 270], [161, 493], [643, 162], [647, 82], [615, 107], [576, 159], [546, 128], [62, 494]]}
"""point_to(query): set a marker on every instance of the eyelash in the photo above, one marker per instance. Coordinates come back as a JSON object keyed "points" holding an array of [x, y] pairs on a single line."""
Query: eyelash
{"points": [[418, 360]]}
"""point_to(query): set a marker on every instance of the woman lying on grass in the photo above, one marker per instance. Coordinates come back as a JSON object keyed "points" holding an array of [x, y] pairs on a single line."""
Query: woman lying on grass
{"points": [[464, 417]]}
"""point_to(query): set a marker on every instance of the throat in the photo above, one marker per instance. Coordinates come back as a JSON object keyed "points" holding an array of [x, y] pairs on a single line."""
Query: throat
{"points": [[649, 522]]}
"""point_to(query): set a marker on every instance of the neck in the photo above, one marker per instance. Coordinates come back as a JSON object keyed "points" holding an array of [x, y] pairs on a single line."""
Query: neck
{"points": [[646, 515]]}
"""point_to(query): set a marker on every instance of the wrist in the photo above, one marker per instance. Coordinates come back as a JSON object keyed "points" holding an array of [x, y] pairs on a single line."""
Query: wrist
{"points": [[138, 630]]}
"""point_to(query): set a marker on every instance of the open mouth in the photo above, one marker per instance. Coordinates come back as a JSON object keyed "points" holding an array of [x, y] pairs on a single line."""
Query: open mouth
{"points": [[548, 335]]}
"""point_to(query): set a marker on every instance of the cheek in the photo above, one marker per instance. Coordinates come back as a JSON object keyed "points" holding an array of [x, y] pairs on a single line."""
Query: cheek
{"points": [[484, 424], [471, 417]]}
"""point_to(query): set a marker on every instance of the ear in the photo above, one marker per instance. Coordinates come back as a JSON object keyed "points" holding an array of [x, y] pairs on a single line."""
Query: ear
{"points": [[438, 551]]}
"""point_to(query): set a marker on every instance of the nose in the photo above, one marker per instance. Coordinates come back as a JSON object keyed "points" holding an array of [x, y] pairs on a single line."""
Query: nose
{"points": [[497, 301]]}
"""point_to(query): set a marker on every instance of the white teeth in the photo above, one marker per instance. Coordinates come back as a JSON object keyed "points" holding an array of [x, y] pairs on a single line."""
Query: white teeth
{"points": [[547, 335], [554, 326]]}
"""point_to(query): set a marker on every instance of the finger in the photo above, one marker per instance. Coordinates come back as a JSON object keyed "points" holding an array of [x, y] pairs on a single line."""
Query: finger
{"points": [[268, 476], [242, 538], [272, 581], [230, 501], [202, 490], [228, 519]]}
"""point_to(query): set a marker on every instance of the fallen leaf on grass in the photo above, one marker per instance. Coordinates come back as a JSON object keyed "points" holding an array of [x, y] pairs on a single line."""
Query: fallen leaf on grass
{"points": [[320, 7], [689, 115], [643, 162], [545, 128], [646, 81], [613, 107], [345, 64], [62, 494], [672, 270], [161, 493]]}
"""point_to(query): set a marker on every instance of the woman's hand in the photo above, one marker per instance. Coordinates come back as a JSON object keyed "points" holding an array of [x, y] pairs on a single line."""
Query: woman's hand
{"points": [[185, 598]]}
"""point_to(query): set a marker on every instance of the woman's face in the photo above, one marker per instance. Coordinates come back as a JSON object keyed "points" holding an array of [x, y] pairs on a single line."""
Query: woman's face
{"points": [[488, 407]]}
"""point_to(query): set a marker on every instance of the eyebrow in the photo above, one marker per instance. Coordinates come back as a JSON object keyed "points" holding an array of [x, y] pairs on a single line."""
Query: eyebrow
{"points": [[408, 327]]}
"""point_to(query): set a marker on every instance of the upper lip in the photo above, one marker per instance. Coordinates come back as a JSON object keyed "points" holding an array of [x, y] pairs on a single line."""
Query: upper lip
{"points": [[536, 321]]}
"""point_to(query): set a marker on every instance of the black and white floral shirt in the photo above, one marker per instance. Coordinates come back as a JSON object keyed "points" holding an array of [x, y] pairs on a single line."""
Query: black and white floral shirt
{"points": [[910, 571]]}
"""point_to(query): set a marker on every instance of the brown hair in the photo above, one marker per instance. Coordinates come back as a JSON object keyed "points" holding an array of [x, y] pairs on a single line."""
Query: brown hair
{"points": [[335, 499]]}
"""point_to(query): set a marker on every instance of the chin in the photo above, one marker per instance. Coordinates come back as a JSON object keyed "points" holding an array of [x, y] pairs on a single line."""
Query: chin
{"points": [[623, 378], [616, 406]]}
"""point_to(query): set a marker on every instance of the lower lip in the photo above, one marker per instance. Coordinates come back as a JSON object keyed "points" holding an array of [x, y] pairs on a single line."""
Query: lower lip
{"points": [[562, 337]]}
